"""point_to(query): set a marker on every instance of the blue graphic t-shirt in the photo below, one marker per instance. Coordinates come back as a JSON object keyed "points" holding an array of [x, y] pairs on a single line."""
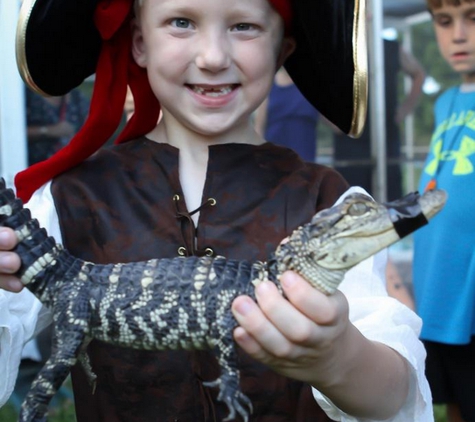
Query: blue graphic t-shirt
{"points": [[444, 251]]}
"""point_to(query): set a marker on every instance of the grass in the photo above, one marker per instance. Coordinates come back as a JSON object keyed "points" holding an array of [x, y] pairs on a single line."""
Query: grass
{"points": [[61, 409], [439, 413], [65, 413], [62, 413]]}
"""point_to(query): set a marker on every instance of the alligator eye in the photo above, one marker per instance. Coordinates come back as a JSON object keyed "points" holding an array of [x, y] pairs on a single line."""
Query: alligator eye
{"points": [[357, 209]]}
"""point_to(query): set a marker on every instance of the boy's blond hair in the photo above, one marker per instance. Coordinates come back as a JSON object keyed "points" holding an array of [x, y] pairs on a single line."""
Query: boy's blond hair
{"points": [[437, 4]]}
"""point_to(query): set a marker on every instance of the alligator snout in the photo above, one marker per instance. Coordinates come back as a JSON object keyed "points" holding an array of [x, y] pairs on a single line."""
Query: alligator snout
{"points": [[413, 210]]}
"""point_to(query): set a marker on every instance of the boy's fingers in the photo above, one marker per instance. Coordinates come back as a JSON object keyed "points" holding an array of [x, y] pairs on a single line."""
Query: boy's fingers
{"points": [[8, 239], [246, 341], [298, 328], [320, 308], [274, 329], [9, 265], [293, 324], [253, 348], [259, 334], [302, 320], [281, 328], [9, 262], [10, 283]]}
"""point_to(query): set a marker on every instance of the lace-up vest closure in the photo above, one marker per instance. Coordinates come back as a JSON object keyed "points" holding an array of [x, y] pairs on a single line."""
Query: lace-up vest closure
{"points": [[188, 229]]}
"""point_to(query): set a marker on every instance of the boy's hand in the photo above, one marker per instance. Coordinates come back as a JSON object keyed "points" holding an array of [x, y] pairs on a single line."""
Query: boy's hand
{"points": [[299, 337], [9, 261]]}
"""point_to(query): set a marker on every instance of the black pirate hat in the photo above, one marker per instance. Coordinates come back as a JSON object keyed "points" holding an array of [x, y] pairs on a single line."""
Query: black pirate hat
{"points": [[62, 42]]}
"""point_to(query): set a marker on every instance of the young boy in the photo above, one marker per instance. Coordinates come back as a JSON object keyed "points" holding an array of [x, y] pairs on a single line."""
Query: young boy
{"points": [[444, 270], [203, 182]]}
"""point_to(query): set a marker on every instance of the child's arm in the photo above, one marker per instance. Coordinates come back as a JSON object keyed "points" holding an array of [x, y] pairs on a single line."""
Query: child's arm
{"points": [[310, 338]]}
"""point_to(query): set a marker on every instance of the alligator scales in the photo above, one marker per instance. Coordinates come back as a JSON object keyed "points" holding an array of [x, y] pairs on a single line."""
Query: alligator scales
{"points": [[185, 303]]}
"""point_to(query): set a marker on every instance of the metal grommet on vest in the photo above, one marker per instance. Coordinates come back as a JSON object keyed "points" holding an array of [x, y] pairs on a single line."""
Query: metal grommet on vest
{"points": [[188, 229]]}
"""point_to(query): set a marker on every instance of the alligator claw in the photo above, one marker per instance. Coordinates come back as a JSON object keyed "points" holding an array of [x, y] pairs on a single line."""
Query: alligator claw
{"points": [[230, 394]]}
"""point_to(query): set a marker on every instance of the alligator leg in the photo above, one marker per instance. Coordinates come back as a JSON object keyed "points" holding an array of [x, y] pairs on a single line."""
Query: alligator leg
{"points": [[51, 377], [228, 383], [85, 362], [71, 324]]}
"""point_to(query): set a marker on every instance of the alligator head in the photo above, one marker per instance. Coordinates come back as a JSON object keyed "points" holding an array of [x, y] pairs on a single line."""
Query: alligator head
{"points": [[340, 237]]}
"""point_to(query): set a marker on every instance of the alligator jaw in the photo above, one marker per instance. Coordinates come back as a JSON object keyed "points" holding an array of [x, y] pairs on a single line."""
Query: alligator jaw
{"points": [[432, 202], [339, 238]]}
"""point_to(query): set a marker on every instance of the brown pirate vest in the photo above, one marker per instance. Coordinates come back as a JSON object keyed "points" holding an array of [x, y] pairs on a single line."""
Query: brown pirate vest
{"points": [[121, 206]]}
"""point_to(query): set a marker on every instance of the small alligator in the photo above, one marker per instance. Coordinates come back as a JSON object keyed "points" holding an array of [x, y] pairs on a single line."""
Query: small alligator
{"points": [[185, 303]]}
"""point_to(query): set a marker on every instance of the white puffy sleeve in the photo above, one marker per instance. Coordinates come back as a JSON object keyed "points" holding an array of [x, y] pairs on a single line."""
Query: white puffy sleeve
{"points": [[386, 320], [21, 314]]}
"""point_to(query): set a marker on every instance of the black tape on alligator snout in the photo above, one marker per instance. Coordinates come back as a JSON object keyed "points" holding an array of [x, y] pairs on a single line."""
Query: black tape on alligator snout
{"points": [[406, 214]]}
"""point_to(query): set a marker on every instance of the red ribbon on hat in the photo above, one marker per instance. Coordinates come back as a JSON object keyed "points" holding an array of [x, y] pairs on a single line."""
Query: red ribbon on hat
{"points": [[115, 69]]}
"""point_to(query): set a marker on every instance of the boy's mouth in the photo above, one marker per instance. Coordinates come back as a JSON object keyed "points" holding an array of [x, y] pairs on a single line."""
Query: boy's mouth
{"points": [[212, 91], [460, 54]]}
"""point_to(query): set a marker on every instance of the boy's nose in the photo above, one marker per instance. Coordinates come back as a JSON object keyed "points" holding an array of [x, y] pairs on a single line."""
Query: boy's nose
{"points": [[214, 53], [459, 33]]}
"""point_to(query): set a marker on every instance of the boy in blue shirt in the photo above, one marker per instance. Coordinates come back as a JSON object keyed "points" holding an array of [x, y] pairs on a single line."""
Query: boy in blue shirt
{"points": [[444, 253]]}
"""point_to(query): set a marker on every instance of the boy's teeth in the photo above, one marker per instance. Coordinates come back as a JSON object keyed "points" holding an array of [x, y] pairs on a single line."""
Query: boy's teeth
{"points": [[212, 92]]}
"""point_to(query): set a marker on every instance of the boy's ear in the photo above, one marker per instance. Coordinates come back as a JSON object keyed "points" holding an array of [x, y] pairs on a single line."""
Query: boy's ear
{"points": [[138, 45], [286, 49]]}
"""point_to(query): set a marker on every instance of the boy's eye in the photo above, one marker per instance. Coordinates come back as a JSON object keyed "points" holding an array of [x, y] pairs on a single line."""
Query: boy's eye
{"points": [[181, 23], [243, 27], [443, 21]]}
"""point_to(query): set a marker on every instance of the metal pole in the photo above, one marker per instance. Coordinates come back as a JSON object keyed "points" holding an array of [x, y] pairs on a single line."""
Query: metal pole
{"points": [[377, 99], [409, 121]]}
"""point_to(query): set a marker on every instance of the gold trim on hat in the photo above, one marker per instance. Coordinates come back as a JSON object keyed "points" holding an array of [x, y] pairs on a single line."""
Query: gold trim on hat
{"points": [[20, 45], [360, 78]]}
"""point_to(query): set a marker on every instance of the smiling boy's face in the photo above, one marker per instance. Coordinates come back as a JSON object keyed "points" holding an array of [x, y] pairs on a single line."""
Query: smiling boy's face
{"points": [[455, 31], [209, 62]]}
